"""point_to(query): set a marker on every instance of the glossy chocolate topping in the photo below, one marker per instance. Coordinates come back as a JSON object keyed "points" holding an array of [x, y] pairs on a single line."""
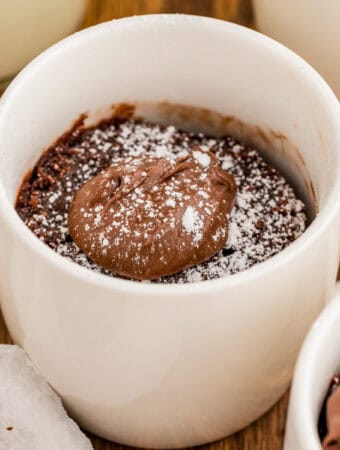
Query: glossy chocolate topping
{"points": [[332, 439], [147, 217]]}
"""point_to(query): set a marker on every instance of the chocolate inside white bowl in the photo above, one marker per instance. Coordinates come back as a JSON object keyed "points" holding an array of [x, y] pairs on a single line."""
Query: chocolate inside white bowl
{"points": [[318, 363], [168, 365], [146, 199]]}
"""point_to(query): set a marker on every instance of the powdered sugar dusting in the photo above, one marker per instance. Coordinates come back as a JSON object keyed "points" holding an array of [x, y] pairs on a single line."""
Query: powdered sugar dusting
{"points": [[202, 158], [266, 218], [193, 224], [170, 202]]}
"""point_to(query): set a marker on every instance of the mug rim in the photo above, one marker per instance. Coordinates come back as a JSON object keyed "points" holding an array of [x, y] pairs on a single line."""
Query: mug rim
{"points": [[307, 362], [327, 215]]}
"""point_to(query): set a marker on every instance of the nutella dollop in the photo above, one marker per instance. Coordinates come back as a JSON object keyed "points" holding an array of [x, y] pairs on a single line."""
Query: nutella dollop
{"points": [[148, 217], [332, 439]]}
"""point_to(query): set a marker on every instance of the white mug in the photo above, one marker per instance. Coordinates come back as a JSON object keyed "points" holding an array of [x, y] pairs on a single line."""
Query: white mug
{"points": [[170, 365], [309, 27], [318, 362], [28, 27]]}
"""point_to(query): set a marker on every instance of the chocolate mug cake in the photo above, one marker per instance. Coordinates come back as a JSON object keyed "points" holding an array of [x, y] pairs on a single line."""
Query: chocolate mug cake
{"points": [[136, 199]]}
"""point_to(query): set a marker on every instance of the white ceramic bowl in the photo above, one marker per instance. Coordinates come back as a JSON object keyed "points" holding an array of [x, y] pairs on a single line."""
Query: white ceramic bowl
{"points": [[170, 365], [318, 362]]}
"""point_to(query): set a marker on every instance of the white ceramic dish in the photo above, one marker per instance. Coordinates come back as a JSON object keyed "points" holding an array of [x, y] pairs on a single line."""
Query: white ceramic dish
{"points": [[309, 27], [156, 365], [27, 28], [318, 362]]}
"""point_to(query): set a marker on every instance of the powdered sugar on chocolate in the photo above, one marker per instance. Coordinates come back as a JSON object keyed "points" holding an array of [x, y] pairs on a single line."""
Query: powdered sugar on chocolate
{"points": [[121, 220], [193, 224], [266, 218], [202, 158]]}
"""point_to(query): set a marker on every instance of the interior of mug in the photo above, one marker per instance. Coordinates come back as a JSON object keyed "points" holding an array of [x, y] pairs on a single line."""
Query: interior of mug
{"points": [[268, 95]]}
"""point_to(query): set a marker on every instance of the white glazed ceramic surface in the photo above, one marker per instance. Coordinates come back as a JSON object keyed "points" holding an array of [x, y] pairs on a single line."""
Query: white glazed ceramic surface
{"points": [[28, 27], [309, 27], [155, 365], [318, 361]]}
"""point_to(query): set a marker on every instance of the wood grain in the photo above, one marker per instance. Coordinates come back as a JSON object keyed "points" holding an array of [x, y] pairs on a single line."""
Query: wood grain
{"points": [[266, 433], [238, 11]]}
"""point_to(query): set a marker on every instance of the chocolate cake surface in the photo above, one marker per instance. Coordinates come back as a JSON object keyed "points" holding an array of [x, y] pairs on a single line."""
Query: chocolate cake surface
{"points": [[266, 215]]}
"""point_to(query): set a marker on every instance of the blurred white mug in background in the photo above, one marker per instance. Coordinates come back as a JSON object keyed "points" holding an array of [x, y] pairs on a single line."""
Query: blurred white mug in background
{"points": [[29, 27], [309, 27]]}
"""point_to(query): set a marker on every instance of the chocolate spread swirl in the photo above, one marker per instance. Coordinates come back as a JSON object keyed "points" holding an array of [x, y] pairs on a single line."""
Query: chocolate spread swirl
{"points": [[148, 217]]}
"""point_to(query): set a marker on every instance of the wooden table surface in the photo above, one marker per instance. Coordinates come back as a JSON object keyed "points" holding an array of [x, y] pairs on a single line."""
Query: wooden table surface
{"points": [[267, 432]]}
